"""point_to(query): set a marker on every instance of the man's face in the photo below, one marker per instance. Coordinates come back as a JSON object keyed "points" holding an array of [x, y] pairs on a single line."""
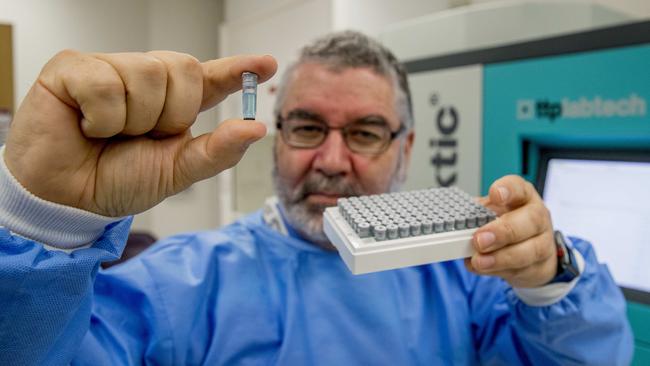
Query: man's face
{"points": [[308, 180]]}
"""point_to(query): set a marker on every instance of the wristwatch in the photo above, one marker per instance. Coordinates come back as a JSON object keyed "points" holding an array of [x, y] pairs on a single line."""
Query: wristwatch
{"points": [[567, 267]]}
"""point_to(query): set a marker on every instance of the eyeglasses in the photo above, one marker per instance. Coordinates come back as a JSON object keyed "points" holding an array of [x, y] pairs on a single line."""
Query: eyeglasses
{"points": [[368, 136]]}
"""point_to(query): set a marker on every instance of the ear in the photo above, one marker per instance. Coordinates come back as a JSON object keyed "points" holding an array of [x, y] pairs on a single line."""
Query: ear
{"points": [[408, 146]]}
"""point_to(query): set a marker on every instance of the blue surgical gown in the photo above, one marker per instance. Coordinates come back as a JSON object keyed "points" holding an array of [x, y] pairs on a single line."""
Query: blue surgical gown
{"points": [[248, 295]]}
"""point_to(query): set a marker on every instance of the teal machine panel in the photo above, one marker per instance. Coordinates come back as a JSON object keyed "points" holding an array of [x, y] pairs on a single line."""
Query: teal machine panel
{"points": [[595, 100]]}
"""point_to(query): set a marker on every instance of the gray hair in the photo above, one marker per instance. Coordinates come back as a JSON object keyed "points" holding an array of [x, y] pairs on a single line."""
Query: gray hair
{"points": [[350, 49]]}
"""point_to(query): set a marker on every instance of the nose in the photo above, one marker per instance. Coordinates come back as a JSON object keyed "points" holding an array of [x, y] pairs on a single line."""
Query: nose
{"points": [[333, 156]]}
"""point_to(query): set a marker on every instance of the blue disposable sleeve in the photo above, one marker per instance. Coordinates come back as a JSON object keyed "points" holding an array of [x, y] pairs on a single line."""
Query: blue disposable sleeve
{"points": [[587, 327], [46, 296]]}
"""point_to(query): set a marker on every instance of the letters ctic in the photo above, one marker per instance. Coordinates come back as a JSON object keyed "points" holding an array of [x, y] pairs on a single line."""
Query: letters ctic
{"points": [[445, 153]]}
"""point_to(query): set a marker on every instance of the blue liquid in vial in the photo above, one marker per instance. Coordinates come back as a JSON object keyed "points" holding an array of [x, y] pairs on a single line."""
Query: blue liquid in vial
{"points": [[249, 105]]}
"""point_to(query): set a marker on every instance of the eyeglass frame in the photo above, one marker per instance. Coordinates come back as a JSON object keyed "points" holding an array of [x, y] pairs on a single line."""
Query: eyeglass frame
{"points": [[316, 118]]}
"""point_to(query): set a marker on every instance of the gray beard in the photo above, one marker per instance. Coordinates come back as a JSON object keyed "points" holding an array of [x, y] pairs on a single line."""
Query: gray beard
{"points": [[306, 218]]}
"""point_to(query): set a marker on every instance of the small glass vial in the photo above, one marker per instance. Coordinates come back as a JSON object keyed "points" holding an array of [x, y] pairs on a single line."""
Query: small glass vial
{"points": [[249, 95]]}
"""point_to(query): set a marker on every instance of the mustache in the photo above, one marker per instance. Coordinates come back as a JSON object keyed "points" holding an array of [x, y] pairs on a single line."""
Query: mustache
{"points": [[319, 183]]}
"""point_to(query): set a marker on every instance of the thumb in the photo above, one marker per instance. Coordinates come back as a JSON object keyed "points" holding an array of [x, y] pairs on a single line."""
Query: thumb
{"points": [[211, 153]]}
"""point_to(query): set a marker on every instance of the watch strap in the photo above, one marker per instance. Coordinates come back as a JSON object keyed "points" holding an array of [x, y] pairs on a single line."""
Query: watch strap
{"points": [[567, 268]]}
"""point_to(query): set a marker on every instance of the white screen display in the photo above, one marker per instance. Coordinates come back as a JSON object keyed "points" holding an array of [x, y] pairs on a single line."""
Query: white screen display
{"points": [[608, 204]]}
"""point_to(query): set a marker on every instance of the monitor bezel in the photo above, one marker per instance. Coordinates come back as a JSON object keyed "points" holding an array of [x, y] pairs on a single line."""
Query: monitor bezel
{"points": [[623, 155]]}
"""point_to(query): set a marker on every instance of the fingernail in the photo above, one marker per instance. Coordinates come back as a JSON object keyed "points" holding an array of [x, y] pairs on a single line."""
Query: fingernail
{"points": [[485, 262], [504, 193], [485, 239]]}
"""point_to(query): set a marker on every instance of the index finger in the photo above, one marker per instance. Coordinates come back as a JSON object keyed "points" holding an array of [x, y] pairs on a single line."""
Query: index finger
{"points": [[222, 77]]}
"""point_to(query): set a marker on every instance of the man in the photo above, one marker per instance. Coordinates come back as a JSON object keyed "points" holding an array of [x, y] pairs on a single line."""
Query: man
{"points": [[100, 137]]}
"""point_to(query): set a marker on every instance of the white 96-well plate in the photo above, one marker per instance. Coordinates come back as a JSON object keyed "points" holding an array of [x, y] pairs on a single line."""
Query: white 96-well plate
{"points": [[433, 225]]}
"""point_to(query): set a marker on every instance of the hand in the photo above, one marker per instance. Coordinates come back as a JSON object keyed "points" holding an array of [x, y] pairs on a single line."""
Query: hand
{"points": [[518, 246], [109, 133]]}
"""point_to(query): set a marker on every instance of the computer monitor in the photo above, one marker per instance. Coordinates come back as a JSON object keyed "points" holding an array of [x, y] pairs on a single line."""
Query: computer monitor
{"points": [[604, 197]]}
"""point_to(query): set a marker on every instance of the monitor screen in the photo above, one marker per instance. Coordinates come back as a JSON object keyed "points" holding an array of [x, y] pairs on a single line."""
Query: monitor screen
{"points": [[606, 202]]}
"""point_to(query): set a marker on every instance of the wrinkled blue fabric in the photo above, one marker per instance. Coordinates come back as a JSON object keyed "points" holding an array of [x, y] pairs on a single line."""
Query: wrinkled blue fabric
{"points": [[247, 295]]}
